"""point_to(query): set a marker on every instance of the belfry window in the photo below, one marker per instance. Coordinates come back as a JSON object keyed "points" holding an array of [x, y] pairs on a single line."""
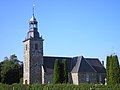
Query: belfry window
{"points": [[36, 46], [33, 25]]}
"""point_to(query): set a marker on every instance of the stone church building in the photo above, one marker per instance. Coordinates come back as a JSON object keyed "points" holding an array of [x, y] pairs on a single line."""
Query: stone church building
{"points": [[39, 68]]}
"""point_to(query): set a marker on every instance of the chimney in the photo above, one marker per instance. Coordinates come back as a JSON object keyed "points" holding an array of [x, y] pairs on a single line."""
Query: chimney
{"points": [[103, 63]]}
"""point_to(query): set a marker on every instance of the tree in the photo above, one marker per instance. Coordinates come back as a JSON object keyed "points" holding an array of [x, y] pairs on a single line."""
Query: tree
{"points": [[0, 73], [61, 73], [10, 70], [112, 70], [65, 71], [56, 72], [107, 68]]}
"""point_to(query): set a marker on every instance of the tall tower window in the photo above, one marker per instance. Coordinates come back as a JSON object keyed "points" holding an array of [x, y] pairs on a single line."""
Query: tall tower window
{"points": [[36, 46], [26, 47]]}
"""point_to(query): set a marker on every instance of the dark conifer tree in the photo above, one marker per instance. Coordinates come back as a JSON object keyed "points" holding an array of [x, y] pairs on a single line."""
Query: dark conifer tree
{"points": [[61, 73], [107, 69], [115, 70], [65, 71], [112, 70], [56, 71]]}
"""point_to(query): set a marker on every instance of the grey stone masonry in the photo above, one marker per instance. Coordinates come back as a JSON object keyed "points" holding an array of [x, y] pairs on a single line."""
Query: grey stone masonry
{"points": [[33, 61], [33, 55]]}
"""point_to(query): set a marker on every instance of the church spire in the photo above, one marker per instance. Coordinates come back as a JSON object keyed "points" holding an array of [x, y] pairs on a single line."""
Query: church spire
{"points": [[33, 10], [33, 27]]}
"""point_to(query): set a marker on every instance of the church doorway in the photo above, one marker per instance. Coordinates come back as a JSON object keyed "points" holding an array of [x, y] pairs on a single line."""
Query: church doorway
{"points": [[25, 82]]}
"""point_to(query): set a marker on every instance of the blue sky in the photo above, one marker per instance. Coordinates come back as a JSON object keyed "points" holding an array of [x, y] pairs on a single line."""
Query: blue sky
{"points": [[70, 27]]}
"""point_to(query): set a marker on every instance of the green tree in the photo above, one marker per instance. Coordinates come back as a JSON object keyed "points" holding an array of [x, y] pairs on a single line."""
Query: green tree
{"points": [[61, 72], [56, 71], [65, 71], [112, 70], [0, 72], [107, 69], [10, 70]]}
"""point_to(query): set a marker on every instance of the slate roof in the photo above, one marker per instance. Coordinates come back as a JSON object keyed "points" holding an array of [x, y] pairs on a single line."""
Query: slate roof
{"points": [[75, 64], [49, 63], [33, 19], [96, 64], [82, 66]]}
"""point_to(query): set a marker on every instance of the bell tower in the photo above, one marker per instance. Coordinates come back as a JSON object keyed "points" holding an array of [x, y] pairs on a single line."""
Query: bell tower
{"points": [[33, 54]]}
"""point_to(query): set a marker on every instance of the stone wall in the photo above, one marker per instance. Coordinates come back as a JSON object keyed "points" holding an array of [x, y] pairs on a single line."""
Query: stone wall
{"points": [[33, 60], [43, 75], [75, 78], [49, 77], [101, 78], [70, 81], [87, 78], [36, 61], [26, 66], [91, 77]]}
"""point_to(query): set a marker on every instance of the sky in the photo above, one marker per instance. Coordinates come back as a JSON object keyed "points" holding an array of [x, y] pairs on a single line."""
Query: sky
{"points": [[69, 27]]}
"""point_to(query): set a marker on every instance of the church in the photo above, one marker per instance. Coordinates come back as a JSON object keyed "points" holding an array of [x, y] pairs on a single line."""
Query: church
{"points": [[40, 69]]}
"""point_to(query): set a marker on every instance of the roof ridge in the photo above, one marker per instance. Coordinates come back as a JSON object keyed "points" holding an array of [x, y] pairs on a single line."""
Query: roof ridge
{"points": [[58, 56], [78, 63], [92, 58], [79, 59]]}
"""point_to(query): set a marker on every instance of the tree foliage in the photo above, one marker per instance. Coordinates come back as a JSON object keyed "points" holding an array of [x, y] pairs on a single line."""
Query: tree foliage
{"points": [[60, 71], [107, 69], [11, 70], [56, 72], [112, 70], [65, 71]]}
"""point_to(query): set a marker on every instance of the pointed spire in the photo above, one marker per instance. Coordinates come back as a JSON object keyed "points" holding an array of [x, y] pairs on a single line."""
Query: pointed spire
{"points": [[33, 27], [33, 8], [33, 11]]}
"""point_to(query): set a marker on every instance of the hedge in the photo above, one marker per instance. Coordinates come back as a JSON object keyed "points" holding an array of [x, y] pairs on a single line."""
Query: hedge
{"points": [[58, 87]]}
